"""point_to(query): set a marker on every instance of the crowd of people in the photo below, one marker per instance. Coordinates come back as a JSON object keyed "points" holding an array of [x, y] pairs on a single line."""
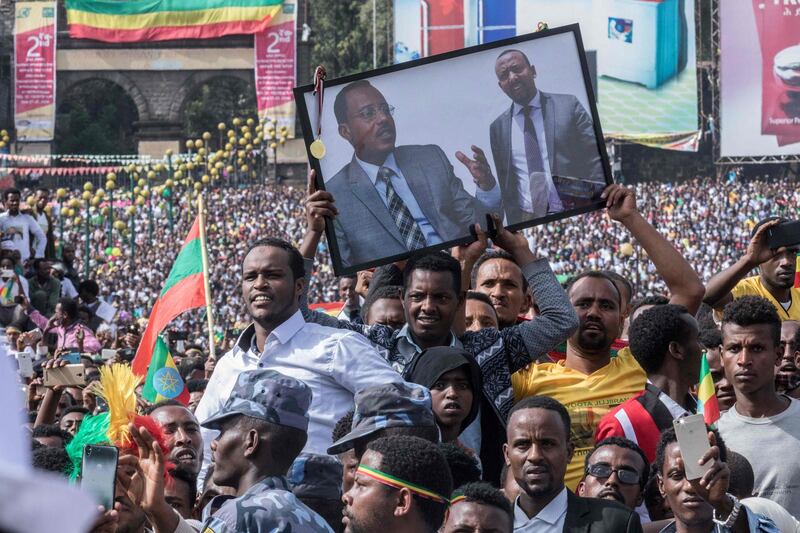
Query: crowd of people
{"points": [[527, 382]]}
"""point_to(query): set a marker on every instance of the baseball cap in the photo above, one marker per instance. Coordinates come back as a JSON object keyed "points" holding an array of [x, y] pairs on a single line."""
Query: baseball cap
{"points": [[267, 395], [387, 406], [316, 476]]}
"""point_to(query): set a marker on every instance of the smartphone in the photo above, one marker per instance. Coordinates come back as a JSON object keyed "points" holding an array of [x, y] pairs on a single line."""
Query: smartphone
{"points": [[99, 473], [107, 354], [72, 358], [693, 440], [784, 234], [6, 273], [42, 350], [25, 363], [68, 376]]}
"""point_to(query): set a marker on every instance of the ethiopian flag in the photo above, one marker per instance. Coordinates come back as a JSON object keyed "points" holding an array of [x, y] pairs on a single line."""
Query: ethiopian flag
{"points": [[797, 273], [706, 395], [127, 21], [163, 381], [183, 290]]}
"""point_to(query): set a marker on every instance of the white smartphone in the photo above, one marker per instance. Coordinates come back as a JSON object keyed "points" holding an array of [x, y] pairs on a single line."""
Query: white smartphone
{"points": [[693, 440], [25, 364], [107, 354]]}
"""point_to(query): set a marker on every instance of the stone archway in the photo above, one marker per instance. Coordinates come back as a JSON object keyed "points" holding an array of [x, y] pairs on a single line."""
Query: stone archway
{"points": [[98, 114]]}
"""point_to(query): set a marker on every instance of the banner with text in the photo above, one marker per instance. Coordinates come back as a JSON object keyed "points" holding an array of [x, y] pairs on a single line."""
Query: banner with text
{"points": [[759, 79], [35, 70], [275, 66]]}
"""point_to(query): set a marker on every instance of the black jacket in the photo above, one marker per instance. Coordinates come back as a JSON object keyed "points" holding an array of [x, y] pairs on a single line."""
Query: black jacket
{"points": [[591, 515]]}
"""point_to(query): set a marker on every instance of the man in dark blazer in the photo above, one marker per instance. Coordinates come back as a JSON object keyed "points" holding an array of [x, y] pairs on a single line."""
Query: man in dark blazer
{"points": [[537, 454], [544, 148], [392, 199]]}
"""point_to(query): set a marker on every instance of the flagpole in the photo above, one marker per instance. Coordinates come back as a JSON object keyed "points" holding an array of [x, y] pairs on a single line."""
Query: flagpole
{"points": [[204, 253]]}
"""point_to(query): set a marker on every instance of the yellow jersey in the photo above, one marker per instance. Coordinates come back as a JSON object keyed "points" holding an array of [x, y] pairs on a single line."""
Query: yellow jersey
{"points": [[586, 397], [753, 287]]}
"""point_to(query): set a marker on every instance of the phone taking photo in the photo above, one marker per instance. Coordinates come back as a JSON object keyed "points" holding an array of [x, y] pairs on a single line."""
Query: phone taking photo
{"points": [[99, 473], [693, 439]]}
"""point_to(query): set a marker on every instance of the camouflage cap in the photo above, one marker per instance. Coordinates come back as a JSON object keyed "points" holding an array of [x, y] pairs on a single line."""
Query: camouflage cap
{"points": [[316, 476], [387, 406], [267, 395]]}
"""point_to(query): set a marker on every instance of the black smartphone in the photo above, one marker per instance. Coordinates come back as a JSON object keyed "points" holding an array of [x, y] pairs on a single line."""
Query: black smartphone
{"points": [[784, 234], [99, 473]]}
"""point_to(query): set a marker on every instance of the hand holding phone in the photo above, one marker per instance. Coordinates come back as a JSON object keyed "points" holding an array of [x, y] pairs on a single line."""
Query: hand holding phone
{"points": [[693, 441], [65, 376]]}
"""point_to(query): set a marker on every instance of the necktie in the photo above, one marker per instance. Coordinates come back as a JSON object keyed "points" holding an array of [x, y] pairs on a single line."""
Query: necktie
{"points": [[408, 227], [536, 175]]}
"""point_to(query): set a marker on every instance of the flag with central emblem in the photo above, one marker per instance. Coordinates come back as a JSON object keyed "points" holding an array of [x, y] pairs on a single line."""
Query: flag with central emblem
{"points": [[163, 381]]}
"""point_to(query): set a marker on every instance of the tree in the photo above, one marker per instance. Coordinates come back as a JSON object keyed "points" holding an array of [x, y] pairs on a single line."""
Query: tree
{"points": [[219, 100], [342, 35], [96, 117]]}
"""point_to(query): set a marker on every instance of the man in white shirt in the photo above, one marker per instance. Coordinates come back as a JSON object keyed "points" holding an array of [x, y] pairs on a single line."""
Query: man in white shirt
{"points": [[537, 454], [334, 363], [16, 228]]}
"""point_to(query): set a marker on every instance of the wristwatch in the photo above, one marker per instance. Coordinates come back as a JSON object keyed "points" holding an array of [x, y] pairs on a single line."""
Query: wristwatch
{"points": [[728, 523]]}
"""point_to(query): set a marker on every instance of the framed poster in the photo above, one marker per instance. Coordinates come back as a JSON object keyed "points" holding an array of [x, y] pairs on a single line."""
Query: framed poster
{"points": [[417, 153]]}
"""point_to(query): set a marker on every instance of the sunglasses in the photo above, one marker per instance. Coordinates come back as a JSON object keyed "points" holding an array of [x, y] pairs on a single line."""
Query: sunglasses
{"points": [[627, 476]]}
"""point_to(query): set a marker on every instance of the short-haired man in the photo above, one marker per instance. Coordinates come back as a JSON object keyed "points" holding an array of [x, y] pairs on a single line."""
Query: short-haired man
{"points": [[19, 230], [702, 504], [348, 457], [182, 492], [393, 199], [479, 313], [182, 433], [775, 281], [537, 453], [763, 425], [262, 429], [617, 470], [589, 381], [402, 485], [664, 341], [496, 275], [44, 290], [71, 419], [787, 375], [478, 508], [335, 364], [539, 139], [383, 305], [352, 301]]}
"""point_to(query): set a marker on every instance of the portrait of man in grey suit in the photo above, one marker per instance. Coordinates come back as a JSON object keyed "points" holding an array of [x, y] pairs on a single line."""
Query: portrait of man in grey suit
{"points": [[544, 147], [394, 199]]}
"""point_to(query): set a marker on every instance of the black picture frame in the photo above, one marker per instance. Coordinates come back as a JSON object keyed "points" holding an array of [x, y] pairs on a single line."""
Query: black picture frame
{"points": [[308, 126]]}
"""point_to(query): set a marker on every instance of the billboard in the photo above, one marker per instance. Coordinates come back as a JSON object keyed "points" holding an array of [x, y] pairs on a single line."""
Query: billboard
{"points": [[759, 79], [645, 52], [35, 70], [275, 66]]}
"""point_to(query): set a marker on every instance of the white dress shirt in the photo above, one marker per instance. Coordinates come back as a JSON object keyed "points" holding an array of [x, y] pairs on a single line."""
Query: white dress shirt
{"points": [[549, 520], [334, 363], [519, 160]]}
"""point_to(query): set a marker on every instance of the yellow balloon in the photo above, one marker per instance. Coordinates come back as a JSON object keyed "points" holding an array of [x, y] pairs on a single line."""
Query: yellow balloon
{"points": [[115, 250], [237, 121], [178, 174], [198, 143], [131, 210], [229, 169], [88, 186], [168, 152], [250, 121], [160, 167], [190, 144], [198, 186], [202, 151], [87, 195], [111, 176], [99, 193], [206, 136], [96, 201], [273, 145], [205, 178], [76, 221], [245, 168], [626, 249], [221, 126], [140, 201], [249, 147], [151, 175], [61, 193]]}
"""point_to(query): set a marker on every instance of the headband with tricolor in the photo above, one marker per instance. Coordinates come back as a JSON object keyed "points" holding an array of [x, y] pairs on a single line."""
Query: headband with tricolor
{"points": [[397, 483], [458, 496]]}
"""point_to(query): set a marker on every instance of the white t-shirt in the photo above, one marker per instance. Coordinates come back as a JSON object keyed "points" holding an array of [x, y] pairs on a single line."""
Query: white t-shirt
{"points": [[772, 445], [17, 231]]}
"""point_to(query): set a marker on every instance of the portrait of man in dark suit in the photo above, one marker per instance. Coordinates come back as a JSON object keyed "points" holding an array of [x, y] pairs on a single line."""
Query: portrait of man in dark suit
{"points": [[394, 199], [544, 147]]}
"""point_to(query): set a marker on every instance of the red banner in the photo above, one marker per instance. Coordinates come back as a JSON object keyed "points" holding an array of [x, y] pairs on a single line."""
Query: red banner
{"points": [[35, 70], [275, 70]]}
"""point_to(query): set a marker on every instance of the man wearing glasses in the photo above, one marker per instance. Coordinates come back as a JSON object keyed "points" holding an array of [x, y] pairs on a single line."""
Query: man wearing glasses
{"points": [[616, 469], [393, 199]]}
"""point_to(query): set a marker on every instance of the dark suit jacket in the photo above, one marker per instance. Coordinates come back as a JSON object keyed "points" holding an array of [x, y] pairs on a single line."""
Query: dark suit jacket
{"points": [[591, 515], [365, 230], [571, 148]]}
